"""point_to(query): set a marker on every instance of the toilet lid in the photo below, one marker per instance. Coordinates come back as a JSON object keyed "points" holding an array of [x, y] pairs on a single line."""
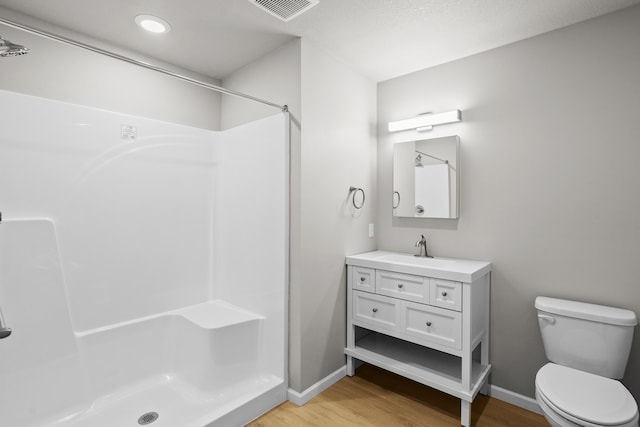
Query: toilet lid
{"points": [[586, 396]]}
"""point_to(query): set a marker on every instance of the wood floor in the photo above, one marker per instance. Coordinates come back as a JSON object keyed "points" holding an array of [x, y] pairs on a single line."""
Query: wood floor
{"points": [[374, 397]]}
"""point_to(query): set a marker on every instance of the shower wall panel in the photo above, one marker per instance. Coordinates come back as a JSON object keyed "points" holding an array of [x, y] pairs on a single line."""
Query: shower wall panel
{"points": [[132, 199], [251, 245], [41, 370], [115, 228]]}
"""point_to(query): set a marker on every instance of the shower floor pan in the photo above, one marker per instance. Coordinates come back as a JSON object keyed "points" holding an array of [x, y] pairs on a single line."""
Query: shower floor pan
{"points": [[193, 367], [176, 403]]}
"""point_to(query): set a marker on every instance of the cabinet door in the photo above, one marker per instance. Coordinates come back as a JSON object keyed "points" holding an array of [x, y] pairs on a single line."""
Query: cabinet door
{"points": [[433, 324], [404, 286], [370, 309]]}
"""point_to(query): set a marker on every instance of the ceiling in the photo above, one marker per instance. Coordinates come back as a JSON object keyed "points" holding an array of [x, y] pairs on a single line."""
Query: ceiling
{"points": [[381, 39]]}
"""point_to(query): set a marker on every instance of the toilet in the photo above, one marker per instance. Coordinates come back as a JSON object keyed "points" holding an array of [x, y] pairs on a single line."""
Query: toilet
{"points": [[588, 347]]}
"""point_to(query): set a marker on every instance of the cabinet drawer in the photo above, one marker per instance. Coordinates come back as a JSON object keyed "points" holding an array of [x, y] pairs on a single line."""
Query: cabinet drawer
{"points": [[374, 310], [433, 324], [363, 279], [446, 294], [404, 286]]}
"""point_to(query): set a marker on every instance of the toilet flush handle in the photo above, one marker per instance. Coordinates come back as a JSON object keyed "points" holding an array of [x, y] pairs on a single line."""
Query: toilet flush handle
{"points": [[548, 318]]}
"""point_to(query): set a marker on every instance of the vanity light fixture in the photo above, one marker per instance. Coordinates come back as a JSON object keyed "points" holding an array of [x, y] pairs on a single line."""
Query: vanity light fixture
{"points": [[153, 24], [426, 121]]}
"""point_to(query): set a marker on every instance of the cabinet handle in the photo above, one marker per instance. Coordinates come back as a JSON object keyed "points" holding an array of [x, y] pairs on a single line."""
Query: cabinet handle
{"points": [[375, 310], [362, 279], [428, 323], [444, 293], [400, 285]]}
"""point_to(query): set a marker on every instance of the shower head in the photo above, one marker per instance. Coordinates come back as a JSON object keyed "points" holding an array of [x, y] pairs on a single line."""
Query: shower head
{"points": [[11, 49]]}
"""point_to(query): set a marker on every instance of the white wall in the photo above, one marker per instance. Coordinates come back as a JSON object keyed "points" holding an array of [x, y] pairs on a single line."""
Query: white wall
{"points": [[66, 73], [549, 177]]}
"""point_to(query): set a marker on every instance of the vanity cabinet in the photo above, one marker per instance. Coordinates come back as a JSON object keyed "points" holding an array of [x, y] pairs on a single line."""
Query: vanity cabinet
{"points": [[426, 319]]}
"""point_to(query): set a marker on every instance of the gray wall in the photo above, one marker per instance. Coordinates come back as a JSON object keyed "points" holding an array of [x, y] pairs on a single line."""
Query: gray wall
{"points": [[549, 185], [66, 73], [338, 151]]}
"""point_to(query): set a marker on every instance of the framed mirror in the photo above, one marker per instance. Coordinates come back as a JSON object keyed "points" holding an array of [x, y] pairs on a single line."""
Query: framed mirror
{"points": [[426, 178]]}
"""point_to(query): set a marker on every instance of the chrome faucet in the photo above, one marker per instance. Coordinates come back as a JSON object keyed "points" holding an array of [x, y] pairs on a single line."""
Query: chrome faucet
{"points": [[422, 244]]}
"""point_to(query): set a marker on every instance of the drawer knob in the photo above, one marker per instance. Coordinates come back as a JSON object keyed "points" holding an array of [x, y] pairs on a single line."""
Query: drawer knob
{"points": [[400, 285], [375, 310], [362, 279], [444, 293], [428, 323]]}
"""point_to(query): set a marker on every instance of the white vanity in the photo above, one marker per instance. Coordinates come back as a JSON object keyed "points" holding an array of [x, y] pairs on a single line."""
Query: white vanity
{"points": [[426, 319]]}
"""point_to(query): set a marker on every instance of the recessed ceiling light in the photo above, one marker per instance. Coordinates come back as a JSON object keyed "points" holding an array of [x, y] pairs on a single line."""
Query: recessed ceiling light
{"points": [[153, 23]]}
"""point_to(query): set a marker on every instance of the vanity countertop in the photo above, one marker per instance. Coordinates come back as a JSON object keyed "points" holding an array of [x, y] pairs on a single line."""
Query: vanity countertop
{"points": [[461, 270]]}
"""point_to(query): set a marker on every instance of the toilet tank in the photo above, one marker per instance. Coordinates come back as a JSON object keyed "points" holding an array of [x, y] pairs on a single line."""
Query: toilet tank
{"points": [[588, 337]]}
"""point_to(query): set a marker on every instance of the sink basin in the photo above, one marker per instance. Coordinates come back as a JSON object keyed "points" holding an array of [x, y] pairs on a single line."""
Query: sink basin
{"points": [[418, 261]]}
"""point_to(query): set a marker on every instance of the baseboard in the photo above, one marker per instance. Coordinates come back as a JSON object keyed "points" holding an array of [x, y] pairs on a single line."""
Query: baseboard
{"points": [[515, 399], [496, 392], [308, 394]]}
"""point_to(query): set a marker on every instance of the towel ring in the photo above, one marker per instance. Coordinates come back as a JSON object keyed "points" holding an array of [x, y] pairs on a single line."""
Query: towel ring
{"points": [[355, 191], [393, 203]]}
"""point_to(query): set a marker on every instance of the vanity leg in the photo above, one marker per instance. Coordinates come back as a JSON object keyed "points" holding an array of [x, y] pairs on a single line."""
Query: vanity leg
{"points": [[465, 413], [484, 361], [351, 337], [350, 366]]}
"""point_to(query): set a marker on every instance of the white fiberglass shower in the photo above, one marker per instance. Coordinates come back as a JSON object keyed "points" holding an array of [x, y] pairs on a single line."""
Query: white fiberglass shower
{"points": [[143, 268]]}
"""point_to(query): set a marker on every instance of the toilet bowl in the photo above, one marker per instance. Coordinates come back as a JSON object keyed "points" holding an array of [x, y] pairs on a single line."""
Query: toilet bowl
{"points": [[588, 347], [572, 398]]}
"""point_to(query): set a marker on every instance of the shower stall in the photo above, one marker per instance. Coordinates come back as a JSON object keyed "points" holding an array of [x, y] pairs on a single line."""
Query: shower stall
{"points": [[143, 268]]}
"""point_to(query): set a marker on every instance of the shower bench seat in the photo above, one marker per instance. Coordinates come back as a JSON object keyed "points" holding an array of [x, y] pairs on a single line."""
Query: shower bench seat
{"points": [[195, 360], [213, 314]]}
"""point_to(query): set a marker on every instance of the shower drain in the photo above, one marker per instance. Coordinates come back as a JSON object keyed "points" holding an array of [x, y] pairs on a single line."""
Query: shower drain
{"points": [[147, 418]]}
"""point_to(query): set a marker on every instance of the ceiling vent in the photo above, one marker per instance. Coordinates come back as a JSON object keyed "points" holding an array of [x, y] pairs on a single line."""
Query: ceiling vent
{"points": [[285, 9]]}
